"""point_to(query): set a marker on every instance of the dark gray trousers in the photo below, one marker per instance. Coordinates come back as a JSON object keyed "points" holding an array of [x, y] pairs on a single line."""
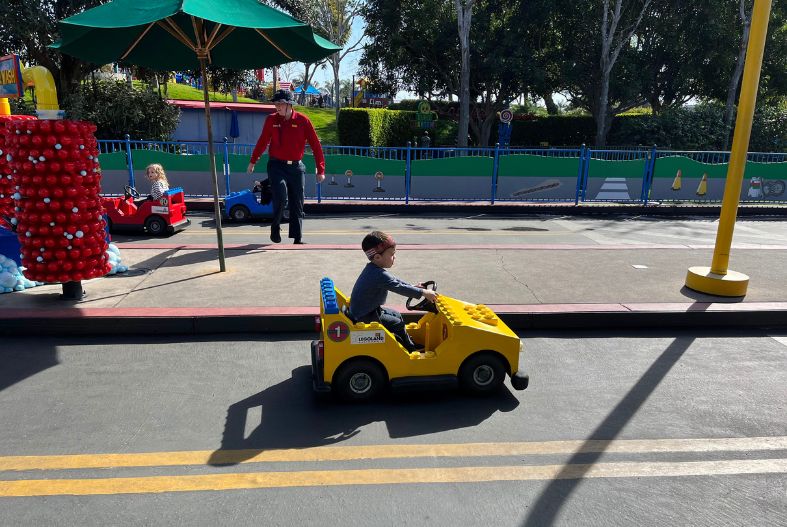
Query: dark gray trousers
{"points": [[287, 183]]}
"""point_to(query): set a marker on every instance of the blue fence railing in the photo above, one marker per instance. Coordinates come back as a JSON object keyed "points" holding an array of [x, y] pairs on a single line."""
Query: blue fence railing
{"points": [[583, 174]]}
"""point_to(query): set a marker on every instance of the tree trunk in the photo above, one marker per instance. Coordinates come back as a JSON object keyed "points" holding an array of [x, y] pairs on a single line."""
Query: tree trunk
{"points": [[549, 102], [602, 111], [486, 128], [464, 13], [307, 79], [336, 83], [609, 55], [732, 90]]}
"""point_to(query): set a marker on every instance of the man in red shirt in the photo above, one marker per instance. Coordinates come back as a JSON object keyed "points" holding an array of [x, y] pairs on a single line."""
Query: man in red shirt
{"points": [[286, 132]]}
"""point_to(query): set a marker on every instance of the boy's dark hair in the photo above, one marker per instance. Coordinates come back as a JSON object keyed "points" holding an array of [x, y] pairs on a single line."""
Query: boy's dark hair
{"points": [[376, 242]]}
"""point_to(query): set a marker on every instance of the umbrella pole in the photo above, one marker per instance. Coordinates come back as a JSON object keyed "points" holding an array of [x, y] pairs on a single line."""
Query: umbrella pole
{"points": [[212, 155]]}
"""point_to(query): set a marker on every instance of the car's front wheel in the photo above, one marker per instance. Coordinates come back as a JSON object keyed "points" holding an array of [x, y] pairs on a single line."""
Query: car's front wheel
{"points": [[240, 213], [482, 373], [359, 380]]}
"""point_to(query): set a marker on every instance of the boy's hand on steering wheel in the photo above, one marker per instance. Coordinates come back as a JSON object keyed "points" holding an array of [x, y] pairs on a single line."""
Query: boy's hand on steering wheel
{"points": [[429, 294]]}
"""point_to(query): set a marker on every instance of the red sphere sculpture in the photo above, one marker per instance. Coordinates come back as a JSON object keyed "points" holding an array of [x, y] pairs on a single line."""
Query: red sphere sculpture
{"points": [[61, 229], [8, 179]]}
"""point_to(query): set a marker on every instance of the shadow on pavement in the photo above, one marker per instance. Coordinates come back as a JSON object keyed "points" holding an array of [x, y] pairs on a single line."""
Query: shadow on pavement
{"points": [[292, 417], [545, 510], [702, 297], [21, 359]]}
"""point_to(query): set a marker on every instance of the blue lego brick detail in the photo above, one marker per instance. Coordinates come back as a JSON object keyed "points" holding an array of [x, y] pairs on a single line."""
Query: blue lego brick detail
{"points": [[328, 296], [172, 191], [9, 245]]}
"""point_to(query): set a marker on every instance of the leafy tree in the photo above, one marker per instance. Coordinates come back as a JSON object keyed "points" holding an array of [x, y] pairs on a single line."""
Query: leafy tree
{"points": [[744, 15], [27, 27], [334, 20], [423, 54], [599, 37], [669, 41], [118, 109], [345, 88]]}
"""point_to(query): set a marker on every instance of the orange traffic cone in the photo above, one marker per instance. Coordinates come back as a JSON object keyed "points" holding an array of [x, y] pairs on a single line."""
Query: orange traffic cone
{"points": [[676, 182], [702, 189]]}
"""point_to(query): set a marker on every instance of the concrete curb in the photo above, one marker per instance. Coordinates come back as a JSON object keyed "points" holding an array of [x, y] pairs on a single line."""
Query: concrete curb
{"points": [[197, 321]]}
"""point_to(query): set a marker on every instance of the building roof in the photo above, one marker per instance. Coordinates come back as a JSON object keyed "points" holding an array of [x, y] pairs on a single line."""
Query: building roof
{"points": [[218, 105]]}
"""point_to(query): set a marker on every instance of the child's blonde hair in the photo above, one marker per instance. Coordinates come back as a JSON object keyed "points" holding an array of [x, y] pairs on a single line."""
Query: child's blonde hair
{"points": [[159, 171]]}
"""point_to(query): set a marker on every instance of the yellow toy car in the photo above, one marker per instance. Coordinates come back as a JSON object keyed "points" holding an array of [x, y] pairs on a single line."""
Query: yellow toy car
{"points": [[464, 344]]}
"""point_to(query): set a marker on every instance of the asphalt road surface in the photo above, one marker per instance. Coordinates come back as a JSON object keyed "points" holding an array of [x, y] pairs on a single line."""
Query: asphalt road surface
{"points": [[658, 428], [485, 229]]}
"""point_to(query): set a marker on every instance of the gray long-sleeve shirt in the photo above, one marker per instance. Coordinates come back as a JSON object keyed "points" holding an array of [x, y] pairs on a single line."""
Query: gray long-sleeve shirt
{"points": [[371, 290]]}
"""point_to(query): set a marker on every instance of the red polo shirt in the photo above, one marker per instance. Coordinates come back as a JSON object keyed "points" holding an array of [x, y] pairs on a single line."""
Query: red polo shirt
{"points": [[287, 139]]}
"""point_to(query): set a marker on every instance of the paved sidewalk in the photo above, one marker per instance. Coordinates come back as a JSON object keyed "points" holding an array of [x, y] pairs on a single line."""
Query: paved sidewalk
{"points": [[177, 289]]}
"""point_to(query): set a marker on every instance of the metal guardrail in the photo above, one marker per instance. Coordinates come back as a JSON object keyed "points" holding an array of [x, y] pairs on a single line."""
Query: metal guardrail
{"points": [[585, 158]]}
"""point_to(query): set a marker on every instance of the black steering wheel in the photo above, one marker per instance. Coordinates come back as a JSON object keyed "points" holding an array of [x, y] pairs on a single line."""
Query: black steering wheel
{"points": [[425, 304], [128, 190]]}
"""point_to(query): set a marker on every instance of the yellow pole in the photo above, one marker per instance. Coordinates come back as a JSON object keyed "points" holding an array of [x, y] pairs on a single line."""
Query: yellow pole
{"points": [[718, 279]]}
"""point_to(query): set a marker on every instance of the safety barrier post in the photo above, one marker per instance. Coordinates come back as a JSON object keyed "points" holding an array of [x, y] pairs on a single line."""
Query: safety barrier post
{"points": [[647, 180], [319, 185], [226, 167], [580, 173], [407, 174], [495, 172], [586, 172], [129, 162]]}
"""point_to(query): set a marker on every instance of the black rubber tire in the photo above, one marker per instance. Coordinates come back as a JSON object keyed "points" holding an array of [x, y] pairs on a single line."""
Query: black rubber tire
{"points": [[155, 226], [359, 380], [240, 213], [482, 373]]}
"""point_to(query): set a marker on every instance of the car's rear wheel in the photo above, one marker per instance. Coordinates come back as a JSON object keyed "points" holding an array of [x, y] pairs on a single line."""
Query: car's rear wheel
{"points": [[155, 226], [240, 213], [482, 373], [359, 380]]}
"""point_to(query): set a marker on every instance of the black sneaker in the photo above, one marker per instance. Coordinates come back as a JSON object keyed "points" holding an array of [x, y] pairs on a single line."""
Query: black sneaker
{"points": [[275, 237], [298, 241]]}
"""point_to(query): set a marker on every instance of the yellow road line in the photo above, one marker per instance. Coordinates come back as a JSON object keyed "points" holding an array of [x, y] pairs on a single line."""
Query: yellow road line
{"points": [[350, 453], [263, 480]]}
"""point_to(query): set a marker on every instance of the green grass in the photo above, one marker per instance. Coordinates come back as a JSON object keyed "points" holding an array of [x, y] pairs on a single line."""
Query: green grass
{"points": [[323, 119], [187, 93]]}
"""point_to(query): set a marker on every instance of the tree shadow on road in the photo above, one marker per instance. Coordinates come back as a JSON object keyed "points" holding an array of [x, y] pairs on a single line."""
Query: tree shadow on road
{"points": [[545, 510], [293, 418]]}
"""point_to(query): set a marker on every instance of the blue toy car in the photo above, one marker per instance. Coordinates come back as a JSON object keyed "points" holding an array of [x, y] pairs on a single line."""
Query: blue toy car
{"points": [[248, 204]]}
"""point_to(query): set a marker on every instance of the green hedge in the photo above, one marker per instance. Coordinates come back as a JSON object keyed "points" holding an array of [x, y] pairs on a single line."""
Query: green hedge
{"points": [[354, 128], [698, 127], [375, 127]]}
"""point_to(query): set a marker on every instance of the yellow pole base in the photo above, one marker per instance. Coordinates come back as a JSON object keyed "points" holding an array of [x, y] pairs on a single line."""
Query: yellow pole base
{"points": [[731, 284]]}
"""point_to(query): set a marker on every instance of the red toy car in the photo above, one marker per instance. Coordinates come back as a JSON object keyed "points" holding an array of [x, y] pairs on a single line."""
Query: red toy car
{"points": [[156, 217]]}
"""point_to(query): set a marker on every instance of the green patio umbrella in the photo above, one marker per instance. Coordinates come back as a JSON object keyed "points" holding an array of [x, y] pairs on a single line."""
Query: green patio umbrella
{"points": [[186, 34]]}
